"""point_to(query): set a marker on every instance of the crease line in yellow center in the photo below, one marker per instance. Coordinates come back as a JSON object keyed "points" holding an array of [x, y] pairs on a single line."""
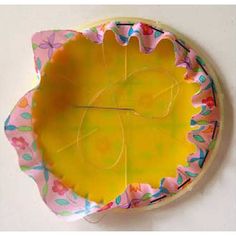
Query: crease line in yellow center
{"points": [[119, 109]]}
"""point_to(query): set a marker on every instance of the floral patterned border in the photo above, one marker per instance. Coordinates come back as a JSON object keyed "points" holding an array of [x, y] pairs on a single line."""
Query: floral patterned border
{"points": [[62, 200]]}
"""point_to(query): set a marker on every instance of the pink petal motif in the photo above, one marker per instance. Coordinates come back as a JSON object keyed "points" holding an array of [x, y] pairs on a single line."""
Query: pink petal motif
{"points": [[107, 206], [19, 142], [170, 184], [99, 38], [147, 30], [51, 38], [44, 45], [50, 51], [59, 188], [209, 102], [56, 45]]}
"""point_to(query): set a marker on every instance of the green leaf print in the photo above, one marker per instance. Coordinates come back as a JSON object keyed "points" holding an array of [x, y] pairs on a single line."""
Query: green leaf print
{"points": [[24, 128], [180, 179], [191, 174], [146, 196], [199, 138], [26, 115], [118, 200], [62, 202]]}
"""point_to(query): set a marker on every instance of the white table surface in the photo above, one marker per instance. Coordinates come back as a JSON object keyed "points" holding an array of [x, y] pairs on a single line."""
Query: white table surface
{"points": [[209, 206]]}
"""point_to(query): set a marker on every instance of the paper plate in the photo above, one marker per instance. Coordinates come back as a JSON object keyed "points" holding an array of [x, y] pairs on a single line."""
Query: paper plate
{"points": [[126, 115]]}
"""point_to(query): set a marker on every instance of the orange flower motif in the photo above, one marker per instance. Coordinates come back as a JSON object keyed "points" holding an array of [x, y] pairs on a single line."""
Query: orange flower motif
{"points": [[135, 187], [23, 103], [102, 27], [208, 130]]}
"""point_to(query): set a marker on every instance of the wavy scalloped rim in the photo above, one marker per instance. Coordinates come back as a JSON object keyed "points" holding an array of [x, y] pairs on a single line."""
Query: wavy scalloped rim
{"points": [[18, 126]]}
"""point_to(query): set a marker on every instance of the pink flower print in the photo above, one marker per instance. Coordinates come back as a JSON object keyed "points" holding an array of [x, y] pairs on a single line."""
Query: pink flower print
{"points": [[187, 62], [19, 142], [209, 102], [58, 187], [147, 30], [106, 207], [50, 45], [170, 184]]}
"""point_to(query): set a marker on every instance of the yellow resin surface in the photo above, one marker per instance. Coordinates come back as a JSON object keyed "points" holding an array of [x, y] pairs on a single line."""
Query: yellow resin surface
{"points": [[97, 149]]}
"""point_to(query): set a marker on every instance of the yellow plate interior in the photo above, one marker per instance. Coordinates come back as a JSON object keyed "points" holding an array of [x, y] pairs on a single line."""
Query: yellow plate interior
{"points": [[97, 149]]}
